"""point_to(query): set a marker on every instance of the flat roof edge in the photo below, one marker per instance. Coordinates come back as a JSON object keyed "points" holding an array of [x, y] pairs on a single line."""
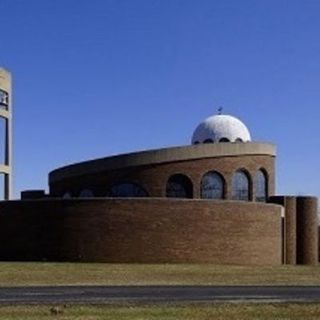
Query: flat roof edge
{"points": [[164, 155]]}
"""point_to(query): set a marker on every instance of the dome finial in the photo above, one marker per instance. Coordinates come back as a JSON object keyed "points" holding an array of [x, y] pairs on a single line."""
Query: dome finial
{"points": [[220, 110]]}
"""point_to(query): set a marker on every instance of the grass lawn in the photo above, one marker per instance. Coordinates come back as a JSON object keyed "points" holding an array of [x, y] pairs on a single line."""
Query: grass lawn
{"points": [[134, 312], [18, 274]]}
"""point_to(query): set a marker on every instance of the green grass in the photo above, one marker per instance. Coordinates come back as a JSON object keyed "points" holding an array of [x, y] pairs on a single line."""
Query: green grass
{"points": [[154, 312], [16, 274]]}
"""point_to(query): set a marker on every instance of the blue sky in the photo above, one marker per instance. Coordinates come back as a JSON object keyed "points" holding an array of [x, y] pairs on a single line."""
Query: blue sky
{"points": [[101, 77]]}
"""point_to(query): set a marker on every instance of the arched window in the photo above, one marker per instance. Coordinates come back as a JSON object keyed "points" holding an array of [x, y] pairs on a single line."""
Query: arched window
{"points": [[224, 140], [67, 195], [126, 190], [86, 193], [208, 141], [239, 140], [261, 186], [212, 186], [240, 186], [179, 186]]}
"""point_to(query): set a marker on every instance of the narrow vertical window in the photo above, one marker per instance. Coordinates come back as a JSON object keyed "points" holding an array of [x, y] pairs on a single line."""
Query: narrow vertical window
{"points": [[240, 186], [261, 186], [4, 99]]}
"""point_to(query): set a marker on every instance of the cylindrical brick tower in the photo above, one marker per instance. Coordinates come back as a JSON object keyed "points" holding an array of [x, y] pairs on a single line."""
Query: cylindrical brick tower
{"points": [[6, 116], [307, 230]]}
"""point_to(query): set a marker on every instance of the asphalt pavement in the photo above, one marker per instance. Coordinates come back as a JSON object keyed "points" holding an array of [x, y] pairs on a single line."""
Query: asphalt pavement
{"points": [[157, 294]]}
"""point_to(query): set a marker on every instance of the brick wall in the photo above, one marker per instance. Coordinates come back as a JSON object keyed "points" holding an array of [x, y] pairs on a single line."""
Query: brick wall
{"points": [[141, 230], [300, 229], [153, 178]]}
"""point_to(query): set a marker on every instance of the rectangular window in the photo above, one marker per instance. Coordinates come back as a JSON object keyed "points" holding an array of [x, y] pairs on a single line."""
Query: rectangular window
{"points": [[4, 99], [2, 179], [3, 123]]}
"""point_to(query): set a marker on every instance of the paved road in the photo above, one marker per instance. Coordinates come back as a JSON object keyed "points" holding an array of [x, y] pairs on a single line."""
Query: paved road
{"points": [[158, 294]]}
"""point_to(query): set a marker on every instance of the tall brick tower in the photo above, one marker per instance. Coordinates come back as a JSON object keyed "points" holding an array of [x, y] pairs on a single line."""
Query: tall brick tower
{"points": [[6, 116]]}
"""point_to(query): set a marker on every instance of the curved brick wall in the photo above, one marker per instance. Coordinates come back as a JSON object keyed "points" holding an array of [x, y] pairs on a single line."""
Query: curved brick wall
{"points": [[152, 171], [141, 230], [307, 230]]}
